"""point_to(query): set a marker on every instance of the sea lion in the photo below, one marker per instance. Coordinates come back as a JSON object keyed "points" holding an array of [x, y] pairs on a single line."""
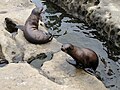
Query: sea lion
{"points": [[30, 29], [84, 58], [31, 32]]}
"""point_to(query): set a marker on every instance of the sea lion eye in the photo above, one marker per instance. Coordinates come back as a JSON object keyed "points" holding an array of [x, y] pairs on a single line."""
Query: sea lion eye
{"points": [[69, 49]]}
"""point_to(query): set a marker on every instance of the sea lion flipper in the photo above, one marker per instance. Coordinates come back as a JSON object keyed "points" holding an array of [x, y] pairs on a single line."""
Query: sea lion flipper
{"points": [[72, 62], [21, 27], [90, 71]]}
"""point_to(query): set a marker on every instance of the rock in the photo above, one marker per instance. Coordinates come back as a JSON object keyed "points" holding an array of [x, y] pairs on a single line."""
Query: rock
{"points": [[55, 74], [18, 45], [104, 15], [23, 76], [59, 71]]}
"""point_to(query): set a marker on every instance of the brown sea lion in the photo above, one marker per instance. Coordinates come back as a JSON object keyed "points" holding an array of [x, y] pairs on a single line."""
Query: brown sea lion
{"points": [[84, 58], [31, 32], [30, 29]]}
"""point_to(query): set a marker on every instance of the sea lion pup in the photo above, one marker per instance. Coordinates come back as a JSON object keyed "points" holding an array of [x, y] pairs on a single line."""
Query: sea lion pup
{"points": [[31, 32], [84, 58]]}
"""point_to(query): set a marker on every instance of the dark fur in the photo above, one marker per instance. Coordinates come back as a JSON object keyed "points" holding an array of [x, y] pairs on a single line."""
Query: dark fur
{"points": [[31, 32], [85, 57]]}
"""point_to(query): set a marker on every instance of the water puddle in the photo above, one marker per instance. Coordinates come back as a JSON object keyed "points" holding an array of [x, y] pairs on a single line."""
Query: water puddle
{"points": [[70, 30]]}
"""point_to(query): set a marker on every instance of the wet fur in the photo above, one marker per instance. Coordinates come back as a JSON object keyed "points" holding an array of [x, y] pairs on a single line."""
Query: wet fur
{"points": [[31, 32], [83, 56]]}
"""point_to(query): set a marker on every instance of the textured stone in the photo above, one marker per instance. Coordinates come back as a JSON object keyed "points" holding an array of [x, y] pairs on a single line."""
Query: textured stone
{"points": [[56, 74], [104, 16], [61, 72], [23, 77]]}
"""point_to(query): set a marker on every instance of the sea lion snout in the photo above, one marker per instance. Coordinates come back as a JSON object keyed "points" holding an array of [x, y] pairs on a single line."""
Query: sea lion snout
{"points": [[62, 48], [67, 47]]}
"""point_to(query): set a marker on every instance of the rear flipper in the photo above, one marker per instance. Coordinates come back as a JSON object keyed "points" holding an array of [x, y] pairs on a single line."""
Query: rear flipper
{"points": [[21, 27], [74, 63], [90, 71], [80, 66]]}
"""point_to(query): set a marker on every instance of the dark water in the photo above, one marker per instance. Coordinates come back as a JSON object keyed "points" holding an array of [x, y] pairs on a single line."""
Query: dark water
{"points": [[70, 30]]}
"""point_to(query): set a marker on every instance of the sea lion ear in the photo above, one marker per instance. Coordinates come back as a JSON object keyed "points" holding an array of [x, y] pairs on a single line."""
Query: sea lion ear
{"points": [[71, 48]]}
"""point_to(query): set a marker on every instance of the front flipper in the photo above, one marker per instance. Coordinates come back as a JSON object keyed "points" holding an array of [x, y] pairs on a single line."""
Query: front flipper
{"points": [[90, 71], [74, 63]]}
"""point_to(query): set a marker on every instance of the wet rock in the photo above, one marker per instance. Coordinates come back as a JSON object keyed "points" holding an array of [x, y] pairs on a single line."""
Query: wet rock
{"points": [[61, 72], [19, 44], [56, 73], [18, 58], [1, 53], [39, 56], [23, 76], [101, 14], [39, 60]]}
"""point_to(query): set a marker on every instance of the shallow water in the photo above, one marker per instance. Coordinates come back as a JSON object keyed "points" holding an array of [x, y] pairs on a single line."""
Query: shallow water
{"points": [[70, 30]]}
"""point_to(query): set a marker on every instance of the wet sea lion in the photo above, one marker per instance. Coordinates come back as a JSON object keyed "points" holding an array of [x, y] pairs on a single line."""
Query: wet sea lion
{"points": [[31, 32], [30, 29], [84, 58]]}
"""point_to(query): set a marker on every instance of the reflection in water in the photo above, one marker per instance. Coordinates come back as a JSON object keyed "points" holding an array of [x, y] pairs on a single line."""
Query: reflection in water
{"points": [[68, 29]]}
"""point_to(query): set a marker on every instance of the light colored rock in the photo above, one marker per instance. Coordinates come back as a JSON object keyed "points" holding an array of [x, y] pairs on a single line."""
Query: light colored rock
{"points": [[23, 77], [19, 44], [104, 17], [57, 73]]}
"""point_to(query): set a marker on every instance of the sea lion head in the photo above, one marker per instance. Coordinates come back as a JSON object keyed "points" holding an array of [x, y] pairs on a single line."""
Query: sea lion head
{"points": [[37, 11], [67, 48]]}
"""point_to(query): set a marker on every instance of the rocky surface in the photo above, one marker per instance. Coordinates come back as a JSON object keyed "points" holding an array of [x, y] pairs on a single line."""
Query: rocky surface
{"points": [[55, 74], [104, 16]]}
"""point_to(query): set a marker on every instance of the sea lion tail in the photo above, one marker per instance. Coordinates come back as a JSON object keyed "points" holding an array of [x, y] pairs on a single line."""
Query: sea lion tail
{"points": [[21, 27], [51, 36]]}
